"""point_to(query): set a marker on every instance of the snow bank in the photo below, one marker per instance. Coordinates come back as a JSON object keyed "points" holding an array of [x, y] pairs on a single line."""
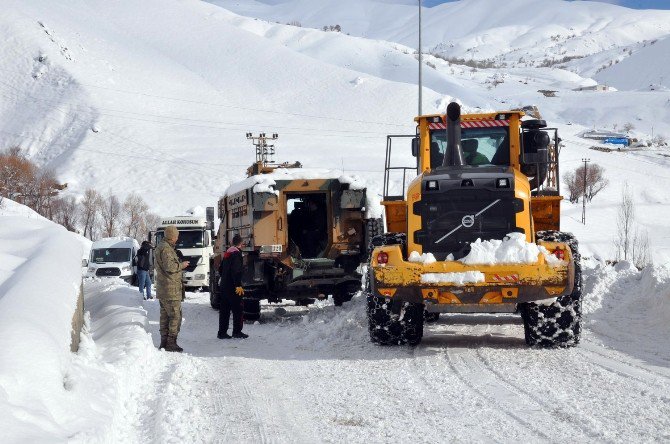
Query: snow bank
{"points": [[512, 250], [629, 309], [468, 277], [40, 279], [47, 393]]}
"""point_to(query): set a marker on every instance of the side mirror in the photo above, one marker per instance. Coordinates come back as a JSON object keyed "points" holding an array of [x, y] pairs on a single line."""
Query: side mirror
{"points": [[415, 147], [84, 262]]}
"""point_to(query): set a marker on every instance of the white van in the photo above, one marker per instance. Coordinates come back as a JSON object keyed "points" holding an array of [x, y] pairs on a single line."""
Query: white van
{"points": [[114, 257]]}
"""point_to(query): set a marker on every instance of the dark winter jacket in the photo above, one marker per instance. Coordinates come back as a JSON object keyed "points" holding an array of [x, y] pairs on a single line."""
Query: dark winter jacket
{"points": [[143, 257], [231, 271]]}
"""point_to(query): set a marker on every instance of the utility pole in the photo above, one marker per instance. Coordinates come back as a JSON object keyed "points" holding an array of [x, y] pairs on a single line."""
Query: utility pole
{"points": [[420, 64], [586, 161], [264, 152]]}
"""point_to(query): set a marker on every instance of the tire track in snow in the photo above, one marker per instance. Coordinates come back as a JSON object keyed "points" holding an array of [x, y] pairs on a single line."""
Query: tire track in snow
{"points": [[483, 386], [622, 367], [564, 418]]}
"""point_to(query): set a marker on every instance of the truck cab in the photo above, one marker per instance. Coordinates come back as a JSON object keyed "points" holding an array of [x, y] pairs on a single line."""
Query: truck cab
{"points": [[195, 243]]}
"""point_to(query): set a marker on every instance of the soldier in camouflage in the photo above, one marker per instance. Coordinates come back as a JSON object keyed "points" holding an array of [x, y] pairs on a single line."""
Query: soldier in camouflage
{"points": [[169, 288]]}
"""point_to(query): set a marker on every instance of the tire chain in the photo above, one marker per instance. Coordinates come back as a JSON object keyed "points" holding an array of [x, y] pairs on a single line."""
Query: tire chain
{"points": [[558, 323]]}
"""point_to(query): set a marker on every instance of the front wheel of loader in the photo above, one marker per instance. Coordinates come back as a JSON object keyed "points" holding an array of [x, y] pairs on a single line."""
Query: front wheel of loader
{"points": [[557, 324]]}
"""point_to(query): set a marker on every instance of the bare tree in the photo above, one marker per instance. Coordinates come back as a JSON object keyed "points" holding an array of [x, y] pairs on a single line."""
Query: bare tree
{"points": [[110, 215], [628, 127], [631, 244], [64, 212], [89, 212], [135, 210], [595, 182], [575, 186]]}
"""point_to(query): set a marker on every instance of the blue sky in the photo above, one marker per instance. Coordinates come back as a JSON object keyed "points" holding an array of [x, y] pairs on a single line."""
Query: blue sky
{"points": [[637, 4]]}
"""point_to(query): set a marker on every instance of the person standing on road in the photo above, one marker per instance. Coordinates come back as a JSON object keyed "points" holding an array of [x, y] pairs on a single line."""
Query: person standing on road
{"points": [[169, 291], [231, 291], [143, 262]]}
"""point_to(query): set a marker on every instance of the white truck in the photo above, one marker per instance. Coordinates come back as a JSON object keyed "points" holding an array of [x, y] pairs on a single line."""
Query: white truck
{"points": [[195, 242], [113, 257]]}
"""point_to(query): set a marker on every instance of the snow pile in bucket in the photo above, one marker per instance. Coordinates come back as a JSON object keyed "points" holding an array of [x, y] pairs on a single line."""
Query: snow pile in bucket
{"points": [[425, 258], [512, 250], [468, 277]]}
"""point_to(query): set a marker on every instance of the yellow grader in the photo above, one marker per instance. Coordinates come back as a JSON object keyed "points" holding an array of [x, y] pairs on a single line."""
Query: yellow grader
{"points": [[479, 177]]}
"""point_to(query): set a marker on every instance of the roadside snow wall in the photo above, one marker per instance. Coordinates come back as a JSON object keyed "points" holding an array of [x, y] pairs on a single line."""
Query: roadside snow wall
{"points": [[40, 279]]}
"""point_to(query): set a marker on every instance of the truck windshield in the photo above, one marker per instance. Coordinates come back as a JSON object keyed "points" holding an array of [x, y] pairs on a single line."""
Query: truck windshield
{"points": [[187, 239], [481, 146], [101, 255]]}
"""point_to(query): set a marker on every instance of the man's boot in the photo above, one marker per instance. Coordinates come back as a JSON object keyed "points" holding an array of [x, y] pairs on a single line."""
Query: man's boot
{"points": [[172, 345], [163, 342]]}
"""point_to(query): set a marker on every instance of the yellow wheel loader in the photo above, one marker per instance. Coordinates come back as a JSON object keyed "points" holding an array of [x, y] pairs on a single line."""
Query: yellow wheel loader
{"points": [[479, 177]]}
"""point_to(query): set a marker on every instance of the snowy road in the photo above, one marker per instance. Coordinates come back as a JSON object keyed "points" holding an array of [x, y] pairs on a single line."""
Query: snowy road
{"points": [[312, 376]]}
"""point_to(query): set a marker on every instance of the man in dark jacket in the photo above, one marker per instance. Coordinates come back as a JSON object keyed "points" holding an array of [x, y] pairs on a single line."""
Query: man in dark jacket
{"points": [[231, 291], [143, 262]]}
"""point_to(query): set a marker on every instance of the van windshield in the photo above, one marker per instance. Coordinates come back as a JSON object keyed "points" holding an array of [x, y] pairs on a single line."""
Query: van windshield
{"points": [[101, 255]]}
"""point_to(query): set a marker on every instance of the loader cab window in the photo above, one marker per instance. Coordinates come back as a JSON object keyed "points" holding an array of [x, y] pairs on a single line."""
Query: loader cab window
{"points": [[481, 146], [307, 224]]}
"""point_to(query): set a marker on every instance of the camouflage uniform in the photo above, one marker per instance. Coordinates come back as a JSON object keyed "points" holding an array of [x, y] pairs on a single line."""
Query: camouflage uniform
{"points": [[169, 288]]}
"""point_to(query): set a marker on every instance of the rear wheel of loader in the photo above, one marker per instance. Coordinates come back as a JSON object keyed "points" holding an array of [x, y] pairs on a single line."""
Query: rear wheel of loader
{"points": [[389, 328], [388, 239], [557, 324]]}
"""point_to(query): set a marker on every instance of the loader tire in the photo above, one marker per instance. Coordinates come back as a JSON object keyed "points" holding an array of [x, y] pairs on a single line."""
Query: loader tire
{"points": [[373, 228], [389, 328], [214, 291], [557, 324], [388, 239], [345, 292]]}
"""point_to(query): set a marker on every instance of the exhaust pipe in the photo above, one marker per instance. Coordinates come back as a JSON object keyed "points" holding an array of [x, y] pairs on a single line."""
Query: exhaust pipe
{"points": [[454, 155]]}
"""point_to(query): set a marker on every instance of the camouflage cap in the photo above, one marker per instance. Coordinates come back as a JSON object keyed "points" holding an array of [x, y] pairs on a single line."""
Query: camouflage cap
{"points": [[171, 233]]}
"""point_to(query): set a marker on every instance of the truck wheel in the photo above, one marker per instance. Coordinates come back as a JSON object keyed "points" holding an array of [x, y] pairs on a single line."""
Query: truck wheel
{"points": [[557, 324], [373, 227], [252, 309], [429, 317], [388, 328], [213, 291], [344, 293]]}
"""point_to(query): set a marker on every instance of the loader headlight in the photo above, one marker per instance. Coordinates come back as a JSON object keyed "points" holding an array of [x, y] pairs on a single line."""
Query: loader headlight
{"points": [[502, 183], [432, 185]]}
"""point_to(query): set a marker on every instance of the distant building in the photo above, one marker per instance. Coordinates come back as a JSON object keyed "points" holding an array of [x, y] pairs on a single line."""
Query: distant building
{"points": [[604, 136], [599, 88]]}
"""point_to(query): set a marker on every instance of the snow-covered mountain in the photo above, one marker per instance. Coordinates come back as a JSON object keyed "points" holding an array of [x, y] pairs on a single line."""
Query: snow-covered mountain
{"points": [[157, 96]]}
